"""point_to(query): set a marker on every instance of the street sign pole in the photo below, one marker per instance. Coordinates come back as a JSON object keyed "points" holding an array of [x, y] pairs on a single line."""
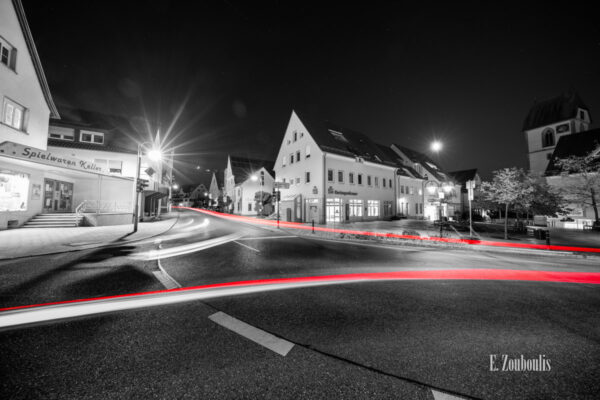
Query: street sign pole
{"points": [[470, 188]]}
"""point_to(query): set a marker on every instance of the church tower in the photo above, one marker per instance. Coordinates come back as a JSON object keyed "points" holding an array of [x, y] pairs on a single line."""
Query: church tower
{"points": [[548, 121]]}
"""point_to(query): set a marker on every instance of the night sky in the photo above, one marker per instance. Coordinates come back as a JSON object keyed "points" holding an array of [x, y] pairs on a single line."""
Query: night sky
{"points": [[465, 74]]}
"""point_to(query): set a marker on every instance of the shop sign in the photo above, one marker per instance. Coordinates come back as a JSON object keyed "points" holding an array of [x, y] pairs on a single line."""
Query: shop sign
{"points": [[32, 154], [345, 193]]}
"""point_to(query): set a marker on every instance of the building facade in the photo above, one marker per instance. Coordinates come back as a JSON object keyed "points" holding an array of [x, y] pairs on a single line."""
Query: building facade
{"points": [[340, 175], [244, 179], [548, 121]]}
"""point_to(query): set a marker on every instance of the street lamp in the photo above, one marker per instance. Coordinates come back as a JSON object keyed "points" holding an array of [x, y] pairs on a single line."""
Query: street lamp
{"points": [[154, 154]]}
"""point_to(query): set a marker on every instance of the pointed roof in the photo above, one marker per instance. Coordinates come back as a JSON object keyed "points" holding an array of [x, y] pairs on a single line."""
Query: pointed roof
{"points": [[35, 58], [243, 167], [463, 176], [577, 144], [556, 109], [333, 138], [427, 163]]}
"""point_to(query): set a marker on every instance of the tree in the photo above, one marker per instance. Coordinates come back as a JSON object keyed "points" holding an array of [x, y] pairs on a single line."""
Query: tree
{"points": [[263, 202], [543, 199], [507, 187], [581, 175]]}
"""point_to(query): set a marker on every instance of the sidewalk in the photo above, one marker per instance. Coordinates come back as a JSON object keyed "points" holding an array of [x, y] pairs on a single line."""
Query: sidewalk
{"points": [[38, 241]]}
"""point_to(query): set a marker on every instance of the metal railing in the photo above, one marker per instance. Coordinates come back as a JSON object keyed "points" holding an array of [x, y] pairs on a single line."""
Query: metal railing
{"points": [[103, 207]]}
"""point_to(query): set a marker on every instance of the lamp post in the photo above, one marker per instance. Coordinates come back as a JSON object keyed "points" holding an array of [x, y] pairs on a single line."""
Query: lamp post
{"points": [[154, 154]]}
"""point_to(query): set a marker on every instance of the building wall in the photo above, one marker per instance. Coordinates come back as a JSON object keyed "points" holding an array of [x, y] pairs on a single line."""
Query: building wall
{"points": [[21, 86], [245, 204], [538, 155], [410, 200]]}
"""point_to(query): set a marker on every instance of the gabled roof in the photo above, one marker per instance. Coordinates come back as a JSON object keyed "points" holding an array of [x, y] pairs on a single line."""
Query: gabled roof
{"points": [[553, 110], [243, 167], [335, 139], [35, 58], [577, 144], [425, 162], [461, 177], [404, 170], [123, 134]]}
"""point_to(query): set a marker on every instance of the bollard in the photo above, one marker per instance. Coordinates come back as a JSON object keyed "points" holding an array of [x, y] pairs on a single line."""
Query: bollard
{"points": [[313, 226]]}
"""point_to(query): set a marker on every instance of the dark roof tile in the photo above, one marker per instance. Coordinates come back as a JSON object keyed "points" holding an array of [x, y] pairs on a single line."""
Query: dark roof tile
{"points": [[553, 110]]}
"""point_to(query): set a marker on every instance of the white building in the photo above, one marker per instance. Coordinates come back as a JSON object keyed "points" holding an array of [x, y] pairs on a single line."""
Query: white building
{"points": [[244, 178], [337, 175], [548, 121]]}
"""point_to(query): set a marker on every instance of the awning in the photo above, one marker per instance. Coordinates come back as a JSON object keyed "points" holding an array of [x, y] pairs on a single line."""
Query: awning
{"points": [[153, 195]]}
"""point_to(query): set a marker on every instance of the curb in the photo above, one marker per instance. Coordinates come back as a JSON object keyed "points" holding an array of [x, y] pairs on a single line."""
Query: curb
{"points": [[101, 245]]}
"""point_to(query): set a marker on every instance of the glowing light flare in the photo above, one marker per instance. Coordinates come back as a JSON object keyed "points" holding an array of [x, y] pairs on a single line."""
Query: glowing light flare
{"points": [[436, 146], [254, 178], [155, 155]]}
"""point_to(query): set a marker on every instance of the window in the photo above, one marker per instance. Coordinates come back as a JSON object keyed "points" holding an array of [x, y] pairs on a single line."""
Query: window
{"points": [[421, 208], [411, 190], [356, 207], [262, 178], [547, 137], [373, 208], [402, 189], [351, 178], [581, 114], [307, 177], [8, 55], [383, 181], [416, 208], [334, 210], [390, 182], [284, 161], [14, 191], [298, 156], [329, 175], [115, 166], [283, 180], [341, 176], [92, 137], [57, 132], [369, 180], [548, 156], [301, 134], [249, 206], [13, 114], [376, 181], [291, 158], [307, 151], [297, 181], [360, 179], [295, 136]]}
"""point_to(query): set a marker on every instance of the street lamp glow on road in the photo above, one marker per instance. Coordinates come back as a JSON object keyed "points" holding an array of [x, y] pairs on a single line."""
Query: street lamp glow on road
{"points": [[436, 146]]}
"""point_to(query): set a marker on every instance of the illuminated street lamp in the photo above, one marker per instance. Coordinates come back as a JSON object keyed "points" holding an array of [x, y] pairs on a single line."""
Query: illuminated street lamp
{"points": [[442, 189], [154, 154]]}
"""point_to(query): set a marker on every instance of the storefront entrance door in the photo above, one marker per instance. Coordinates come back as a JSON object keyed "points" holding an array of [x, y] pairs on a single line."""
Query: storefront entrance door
{"points": [[58, 196]]}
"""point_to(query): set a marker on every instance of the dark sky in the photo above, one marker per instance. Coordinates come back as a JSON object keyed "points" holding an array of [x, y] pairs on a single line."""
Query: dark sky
{"points": [[466, 74]]}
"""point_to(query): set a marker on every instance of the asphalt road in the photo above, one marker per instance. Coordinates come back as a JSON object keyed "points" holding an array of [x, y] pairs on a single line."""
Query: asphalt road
{"points": [[389, 339]]}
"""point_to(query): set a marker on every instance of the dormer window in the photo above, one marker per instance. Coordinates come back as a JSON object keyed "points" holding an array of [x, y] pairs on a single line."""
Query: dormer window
{"points": [[58, 132], [92, 137], [338, 136], [548, 137], [581, 114]]}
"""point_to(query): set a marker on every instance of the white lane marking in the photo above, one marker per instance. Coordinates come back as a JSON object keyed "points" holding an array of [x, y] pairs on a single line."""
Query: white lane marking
{"points": [[246, 246], [444, 396], [265, 339], [162, 275], [269, 237]]}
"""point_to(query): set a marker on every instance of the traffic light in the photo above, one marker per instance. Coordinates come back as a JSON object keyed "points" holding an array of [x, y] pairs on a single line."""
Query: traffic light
{"points": [[278, 196], [142, 184]]}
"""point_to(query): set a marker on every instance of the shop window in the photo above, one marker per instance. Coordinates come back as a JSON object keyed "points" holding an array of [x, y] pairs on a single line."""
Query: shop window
{"points": [[14, 191], [334, 210], [59, 132], [13, 114], [373, 208], [92, 137], [356, 207]]}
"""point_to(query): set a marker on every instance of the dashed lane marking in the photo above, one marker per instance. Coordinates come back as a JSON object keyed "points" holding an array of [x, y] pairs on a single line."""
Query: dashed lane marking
{"points": [[246, 246], [265, 339], [269, 237]]}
